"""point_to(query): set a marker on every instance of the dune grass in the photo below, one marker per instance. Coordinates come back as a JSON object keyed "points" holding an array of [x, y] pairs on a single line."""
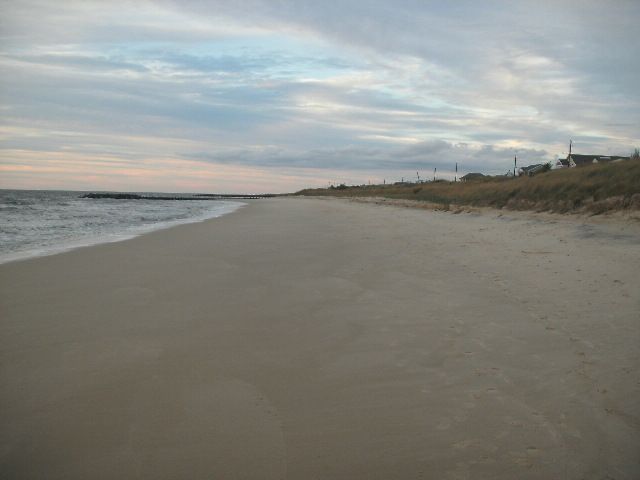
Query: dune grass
{"points": [[595, 189]]}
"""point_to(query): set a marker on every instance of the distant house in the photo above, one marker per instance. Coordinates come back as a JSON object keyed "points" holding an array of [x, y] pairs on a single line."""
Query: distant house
{"points": [[575, 160], [471, 176], [532, 170]]}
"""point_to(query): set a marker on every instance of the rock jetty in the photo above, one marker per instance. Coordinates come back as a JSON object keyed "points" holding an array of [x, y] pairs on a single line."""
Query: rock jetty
{"points": [[200, 196]]}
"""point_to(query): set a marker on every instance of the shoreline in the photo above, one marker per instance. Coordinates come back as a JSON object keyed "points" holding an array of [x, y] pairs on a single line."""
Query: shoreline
{"points": [[300, 338], [113, 237]]}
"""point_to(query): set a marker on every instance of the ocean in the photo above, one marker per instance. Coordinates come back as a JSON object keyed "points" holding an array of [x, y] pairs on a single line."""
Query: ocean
{"points": [[43, 222]]}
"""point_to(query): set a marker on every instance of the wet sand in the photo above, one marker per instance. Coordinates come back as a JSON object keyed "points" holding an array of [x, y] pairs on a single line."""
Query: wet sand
{"points": [[310, 338]]}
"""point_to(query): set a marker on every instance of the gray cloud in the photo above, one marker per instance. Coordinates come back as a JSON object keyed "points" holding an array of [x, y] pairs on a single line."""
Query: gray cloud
{"points": [[423, 157], [321, 85]]}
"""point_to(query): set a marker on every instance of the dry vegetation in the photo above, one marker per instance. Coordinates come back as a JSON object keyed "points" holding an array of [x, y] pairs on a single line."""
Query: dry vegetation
{"points": [[592, 189]]}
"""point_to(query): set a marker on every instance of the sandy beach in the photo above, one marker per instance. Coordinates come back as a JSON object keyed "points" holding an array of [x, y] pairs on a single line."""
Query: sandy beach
{"points": [[327, 339]]}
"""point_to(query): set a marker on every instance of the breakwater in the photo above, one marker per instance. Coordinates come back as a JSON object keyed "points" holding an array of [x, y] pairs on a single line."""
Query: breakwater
{"points": [[198, 196]]}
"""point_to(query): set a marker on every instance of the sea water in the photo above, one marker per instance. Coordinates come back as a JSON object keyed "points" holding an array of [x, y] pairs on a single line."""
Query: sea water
{"points": [[43, 222]]}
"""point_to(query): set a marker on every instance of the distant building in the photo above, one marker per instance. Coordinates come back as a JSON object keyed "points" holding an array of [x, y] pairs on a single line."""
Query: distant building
{"points": [[575, 160], [532, 170], [471, 176]]}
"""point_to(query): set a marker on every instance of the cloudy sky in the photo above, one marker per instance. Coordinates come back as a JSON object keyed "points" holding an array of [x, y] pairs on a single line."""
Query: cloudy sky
{"points": [[256, 96]]}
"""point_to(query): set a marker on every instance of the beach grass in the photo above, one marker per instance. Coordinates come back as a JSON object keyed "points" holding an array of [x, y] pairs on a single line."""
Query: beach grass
{"points": [[594, 189]]}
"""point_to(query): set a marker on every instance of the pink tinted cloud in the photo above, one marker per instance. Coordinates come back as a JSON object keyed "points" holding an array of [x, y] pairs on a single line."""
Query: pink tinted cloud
{"points": [[74, 171]]}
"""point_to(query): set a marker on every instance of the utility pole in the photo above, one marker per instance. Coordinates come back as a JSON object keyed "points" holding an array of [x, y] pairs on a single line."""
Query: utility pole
{"points": [[569, 157], [515, 162], [455, 178], [434, 173]]}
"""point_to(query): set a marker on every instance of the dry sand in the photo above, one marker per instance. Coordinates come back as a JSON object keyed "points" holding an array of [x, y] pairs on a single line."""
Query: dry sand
{"points": [[324, 339]]}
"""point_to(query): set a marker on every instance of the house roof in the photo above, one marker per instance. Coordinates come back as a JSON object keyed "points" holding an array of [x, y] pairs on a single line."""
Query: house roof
{"points": [[533, 168], [587, 159], [471, 176]]}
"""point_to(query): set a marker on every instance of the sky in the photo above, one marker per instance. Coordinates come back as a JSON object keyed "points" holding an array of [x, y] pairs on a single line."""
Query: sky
{"points": [[253, 96]]}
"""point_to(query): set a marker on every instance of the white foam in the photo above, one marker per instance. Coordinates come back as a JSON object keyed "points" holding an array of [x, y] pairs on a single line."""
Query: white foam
{"points": [[117, 234]]}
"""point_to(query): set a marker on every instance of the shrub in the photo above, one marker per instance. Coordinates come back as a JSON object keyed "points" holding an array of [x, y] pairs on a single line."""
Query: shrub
{"points": [[556, 190]]}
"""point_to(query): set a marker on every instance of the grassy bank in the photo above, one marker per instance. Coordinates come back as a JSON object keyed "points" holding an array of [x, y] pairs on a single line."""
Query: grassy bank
{"points": [[592, 189]]}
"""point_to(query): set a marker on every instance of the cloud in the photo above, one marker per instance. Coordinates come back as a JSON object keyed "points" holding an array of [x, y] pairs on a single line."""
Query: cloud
{"points": [[424, 156], [323, 86]]}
